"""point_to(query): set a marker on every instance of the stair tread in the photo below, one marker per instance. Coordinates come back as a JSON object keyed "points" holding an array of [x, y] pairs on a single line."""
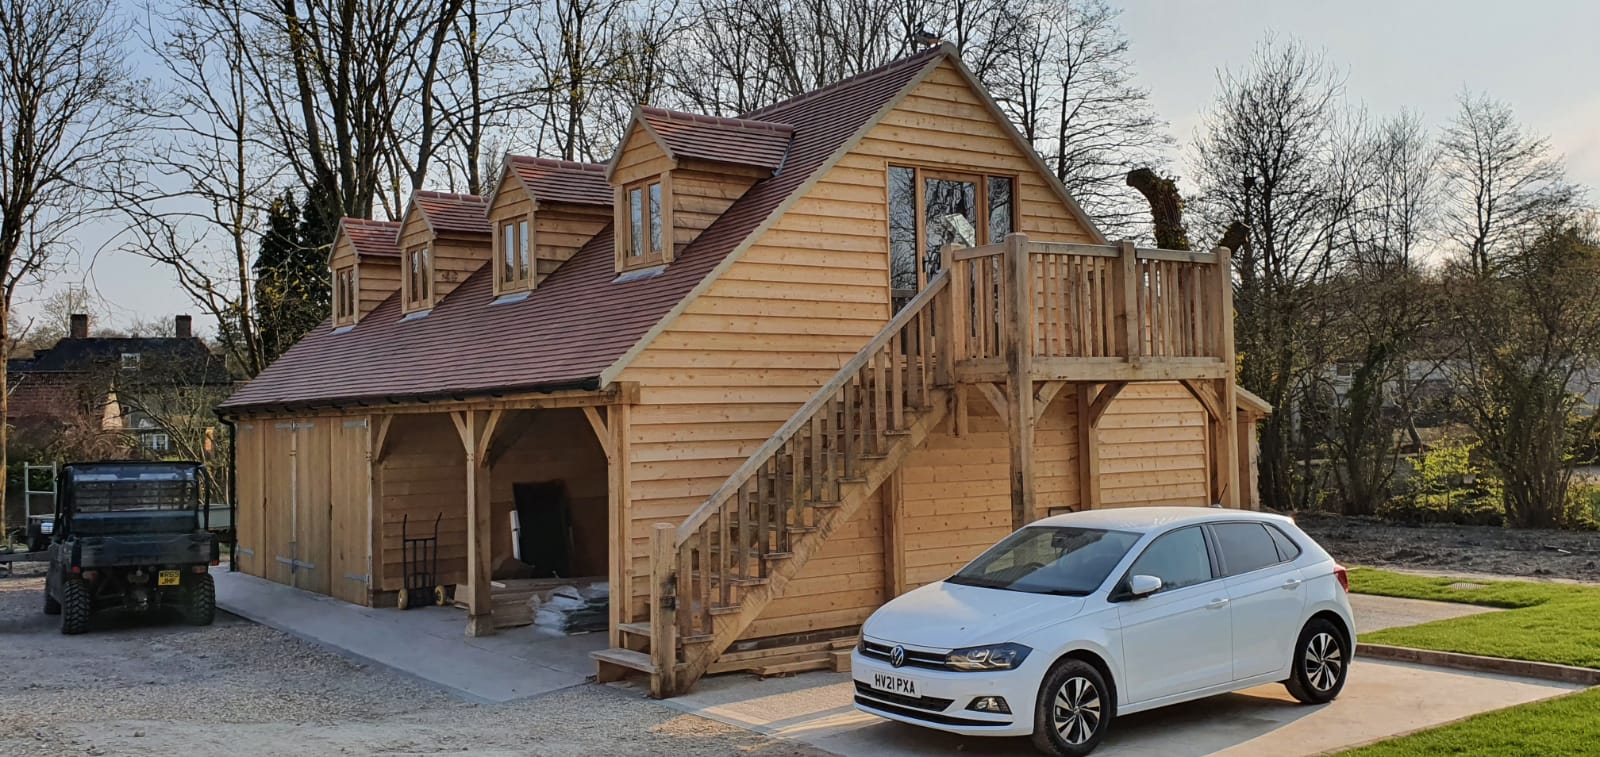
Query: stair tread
{"points": [[627, 658], [637, 629]]}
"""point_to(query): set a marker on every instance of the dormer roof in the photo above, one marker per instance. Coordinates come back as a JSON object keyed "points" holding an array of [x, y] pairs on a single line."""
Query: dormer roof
{"points": [[737, 141], [447, 213], [375, 239], [552, 180]]}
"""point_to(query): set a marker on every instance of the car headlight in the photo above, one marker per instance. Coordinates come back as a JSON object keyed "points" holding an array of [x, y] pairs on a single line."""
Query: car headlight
{"points": [[991, 657]]}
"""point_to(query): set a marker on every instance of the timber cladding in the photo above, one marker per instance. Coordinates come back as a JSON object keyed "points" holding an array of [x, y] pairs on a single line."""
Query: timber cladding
{"points": [[781, 320]]}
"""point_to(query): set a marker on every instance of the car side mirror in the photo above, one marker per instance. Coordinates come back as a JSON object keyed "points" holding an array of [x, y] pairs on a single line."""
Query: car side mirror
{"points": [[1143, 586]]}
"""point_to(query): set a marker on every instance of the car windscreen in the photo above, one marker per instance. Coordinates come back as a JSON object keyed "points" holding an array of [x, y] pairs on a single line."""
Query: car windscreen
{"points": [[1062, 560]]}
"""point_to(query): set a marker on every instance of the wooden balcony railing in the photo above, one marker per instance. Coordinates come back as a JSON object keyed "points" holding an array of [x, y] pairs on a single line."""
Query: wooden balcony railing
{"points": [[1093, 307]]}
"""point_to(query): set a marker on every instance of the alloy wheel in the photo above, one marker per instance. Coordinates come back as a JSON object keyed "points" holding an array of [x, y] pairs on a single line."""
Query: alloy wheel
{"points": [[1076, 714], [1324, 661]]}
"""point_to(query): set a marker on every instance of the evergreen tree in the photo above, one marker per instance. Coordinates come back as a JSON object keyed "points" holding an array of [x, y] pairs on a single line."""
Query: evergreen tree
{"points": [[291, 271]]}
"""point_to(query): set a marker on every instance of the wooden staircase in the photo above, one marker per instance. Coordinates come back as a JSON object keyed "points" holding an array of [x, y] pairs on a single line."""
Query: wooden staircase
{"points": [[713, 575]]}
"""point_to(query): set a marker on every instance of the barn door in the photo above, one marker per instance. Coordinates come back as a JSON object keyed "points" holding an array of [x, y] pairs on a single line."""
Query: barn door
{"points": [[249, 499], [351, 533], [277, 554], [313, 506]]}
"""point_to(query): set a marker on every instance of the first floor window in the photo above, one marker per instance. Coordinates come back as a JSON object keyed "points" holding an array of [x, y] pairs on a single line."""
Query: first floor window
{"points": [[344, 294], [418, 274], [930, 208], [516, 254], [645, 224]]}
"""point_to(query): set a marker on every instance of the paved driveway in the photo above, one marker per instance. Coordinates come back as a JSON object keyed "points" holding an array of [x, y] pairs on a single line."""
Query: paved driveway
{"points": [[1382, 700]]}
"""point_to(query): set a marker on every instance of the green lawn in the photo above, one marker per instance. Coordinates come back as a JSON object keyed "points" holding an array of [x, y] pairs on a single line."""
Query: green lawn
{"points": [[1545, 622], [1569, 725]]}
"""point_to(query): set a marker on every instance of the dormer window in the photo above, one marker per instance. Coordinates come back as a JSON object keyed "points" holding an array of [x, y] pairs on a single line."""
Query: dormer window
{"points": [[513, 263], [643, 240], [418, 284], [344, 295]]}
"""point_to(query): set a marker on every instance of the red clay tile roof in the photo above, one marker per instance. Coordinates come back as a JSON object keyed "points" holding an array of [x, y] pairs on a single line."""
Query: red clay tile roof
{"points": [[373, 238], [724, 140], [452, 213], [581, 319], [562, 180]]}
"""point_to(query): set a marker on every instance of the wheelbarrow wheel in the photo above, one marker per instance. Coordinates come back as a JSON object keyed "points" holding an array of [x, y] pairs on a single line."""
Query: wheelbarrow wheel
{"points": [[438, 596], [405, 599]]}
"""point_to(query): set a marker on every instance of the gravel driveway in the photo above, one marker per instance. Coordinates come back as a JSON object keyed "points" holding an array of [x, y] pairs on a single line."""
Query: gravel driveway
{"points": [[133, 687]]}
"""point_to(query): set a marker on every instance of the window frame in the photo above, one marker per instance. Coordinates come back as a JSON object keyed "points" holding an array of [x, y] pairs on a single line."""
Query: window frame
{"points": [[522, 226], [622, 225], [424, 300], [921, 172], [345, 295]]}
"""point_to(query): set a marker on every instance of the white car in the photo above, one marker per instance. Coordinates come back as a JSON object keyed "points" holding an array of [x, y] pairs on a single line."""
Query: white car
{"points": [[1078, 618]]}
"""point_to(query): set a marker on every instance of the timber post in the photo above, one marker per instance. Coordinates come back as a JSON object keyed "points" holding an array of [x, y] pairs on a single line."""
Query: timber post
{"points": [[1126, 299], [663, 630], [1019, 347], [1228, 460]]}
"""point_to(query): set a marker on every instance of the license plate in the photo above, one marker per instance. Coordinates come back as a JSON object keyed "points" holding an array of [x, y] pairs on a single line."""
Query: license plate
{"points": [[167, 578], [894, 684]]}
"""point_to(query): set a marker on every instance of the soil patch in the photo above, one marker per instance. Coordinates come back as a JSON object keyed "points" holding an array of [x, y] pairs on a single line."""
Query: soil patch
{"points": [[1533, 553]]}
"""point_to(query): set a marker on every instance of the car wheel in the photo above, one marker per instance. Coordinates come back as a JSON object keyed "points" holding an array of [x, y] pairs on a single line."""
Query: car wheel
{"points": [[200, 600], [1321, 663], [1074, 709], [77, 603]]}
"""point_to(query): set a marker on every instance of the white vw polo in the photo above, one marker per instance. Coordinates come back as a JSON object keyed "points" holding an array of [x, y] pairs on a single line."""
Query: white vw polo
{"points": [[1078, 618]]}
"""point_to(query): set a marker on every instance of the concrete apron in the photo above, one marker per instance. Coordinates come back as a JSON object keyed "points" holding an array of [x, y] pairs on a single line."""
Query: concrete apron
{"points": [[428, 644], [1381, 700]]}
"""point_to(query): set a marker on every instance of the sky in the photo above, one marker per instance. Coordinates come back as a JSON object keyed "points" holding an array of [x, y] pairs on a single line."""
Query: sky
{"points": [[1537, 55]]}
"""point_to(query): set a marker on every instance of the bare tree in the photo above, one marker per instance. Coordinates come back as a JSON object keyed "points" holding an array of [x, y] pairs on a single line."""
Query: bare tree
{"points": [[1501, 181], [1271, 152], [65, 124]]}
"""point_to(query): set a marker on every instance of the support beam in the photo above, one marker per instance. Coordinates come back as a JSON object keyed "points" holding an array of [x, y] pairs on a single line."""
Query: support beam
{"points": [[380, 436], [1019, 349], [1226, 388], [477, 433], [892, 497], [663, 632], [601, 433], [1044, 396], [1102, 401], [1088, 449], [620, 516], [997, 400]]}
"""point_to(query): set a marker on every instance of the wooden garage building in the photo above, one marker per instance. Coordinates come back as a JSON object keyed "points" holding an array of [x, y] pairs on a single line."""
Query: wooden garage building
{"points": [[764, 374]]}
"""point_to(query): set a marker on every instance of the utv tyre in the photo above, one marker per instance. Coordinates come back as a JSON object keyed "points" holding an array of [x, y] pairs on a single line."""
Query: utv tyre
{"points": [[77, 604], [1074, 710], [51, 606], [1321, 663], [200, 600]]}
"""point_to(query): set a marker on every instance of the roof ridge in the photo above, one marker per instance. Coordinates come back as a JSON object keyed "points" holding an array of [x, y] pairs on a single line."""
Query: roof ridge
{"points": [[437, 195], [744, 123], [368, 221], [894, 65], [556, 162]]}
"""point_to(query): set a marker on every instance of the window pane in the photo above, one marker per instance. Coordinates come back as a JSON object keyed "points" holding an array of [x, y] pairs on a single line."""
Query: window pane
{"points": [[902, 233], [1179, 559], [655, 219], [951, 218], [1287, 549], [636, 223], [999, 208], [524, 253], [508, 252], [1245, 547], [427, 274]]}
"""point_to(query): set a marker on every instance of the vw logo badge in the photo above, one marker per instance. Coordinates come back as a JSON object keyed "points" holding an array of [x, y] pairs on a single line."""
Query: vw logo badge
{"points": [[897, 656]]}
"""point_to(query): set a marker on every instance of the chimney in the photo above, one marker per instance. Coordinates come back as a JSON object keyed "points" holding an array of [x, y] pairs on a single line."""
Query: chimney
{"points": [[80, 326], [183, 326]]}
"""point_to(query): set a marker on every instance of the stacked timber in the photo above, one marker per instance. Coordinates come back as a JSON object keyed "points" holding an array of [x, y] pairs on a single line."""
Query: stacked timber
{"points": [[833, 654]]}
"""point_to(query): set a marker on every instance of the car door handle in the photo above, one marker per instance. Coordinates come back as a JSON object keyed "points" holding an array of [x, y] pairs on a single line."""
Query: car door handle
{"points": [[1216, 604], [1293, 583]]}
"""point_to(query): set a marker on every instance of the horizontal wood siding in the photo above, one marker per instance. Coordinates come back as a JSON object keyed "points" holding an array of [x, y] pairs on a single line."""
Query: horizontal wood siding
{"points": [[560, 230], [1153, 447], [377, 279], [956, 490], [454, 259], [641, 157], [424, 476], [699, 197], [782, 319]]}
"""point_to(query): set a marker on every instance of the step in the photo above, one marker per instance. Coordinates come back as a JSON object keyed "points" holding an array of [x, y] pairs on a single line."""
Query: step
{"points": [[735, 580], [626, 658], [724, 609], [635, 629]]}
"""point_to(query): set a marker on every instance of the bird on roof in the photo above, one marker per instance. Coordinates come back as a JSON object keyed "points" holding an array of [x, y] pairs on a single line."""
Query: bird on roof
{"points": [[925, 38]]}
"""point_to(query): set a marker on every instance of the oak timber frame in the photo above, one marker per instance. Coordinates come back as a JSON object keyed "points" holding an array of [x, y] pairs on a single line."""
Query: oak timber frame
{"points": [[1014, 323]]}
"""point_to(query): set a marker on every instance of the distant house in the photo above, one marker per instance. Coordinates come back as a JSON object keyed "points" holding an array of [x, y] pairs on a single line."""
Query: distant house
{"points": [[762, 374], [113, 396]]}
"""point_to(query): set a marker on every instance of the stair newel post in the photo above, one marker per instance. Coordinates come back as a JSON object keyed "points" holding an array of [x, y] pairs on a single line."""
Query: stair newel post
{"points": [[1019, 347], [949, 332], [663, 631], [1229, 430]]}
